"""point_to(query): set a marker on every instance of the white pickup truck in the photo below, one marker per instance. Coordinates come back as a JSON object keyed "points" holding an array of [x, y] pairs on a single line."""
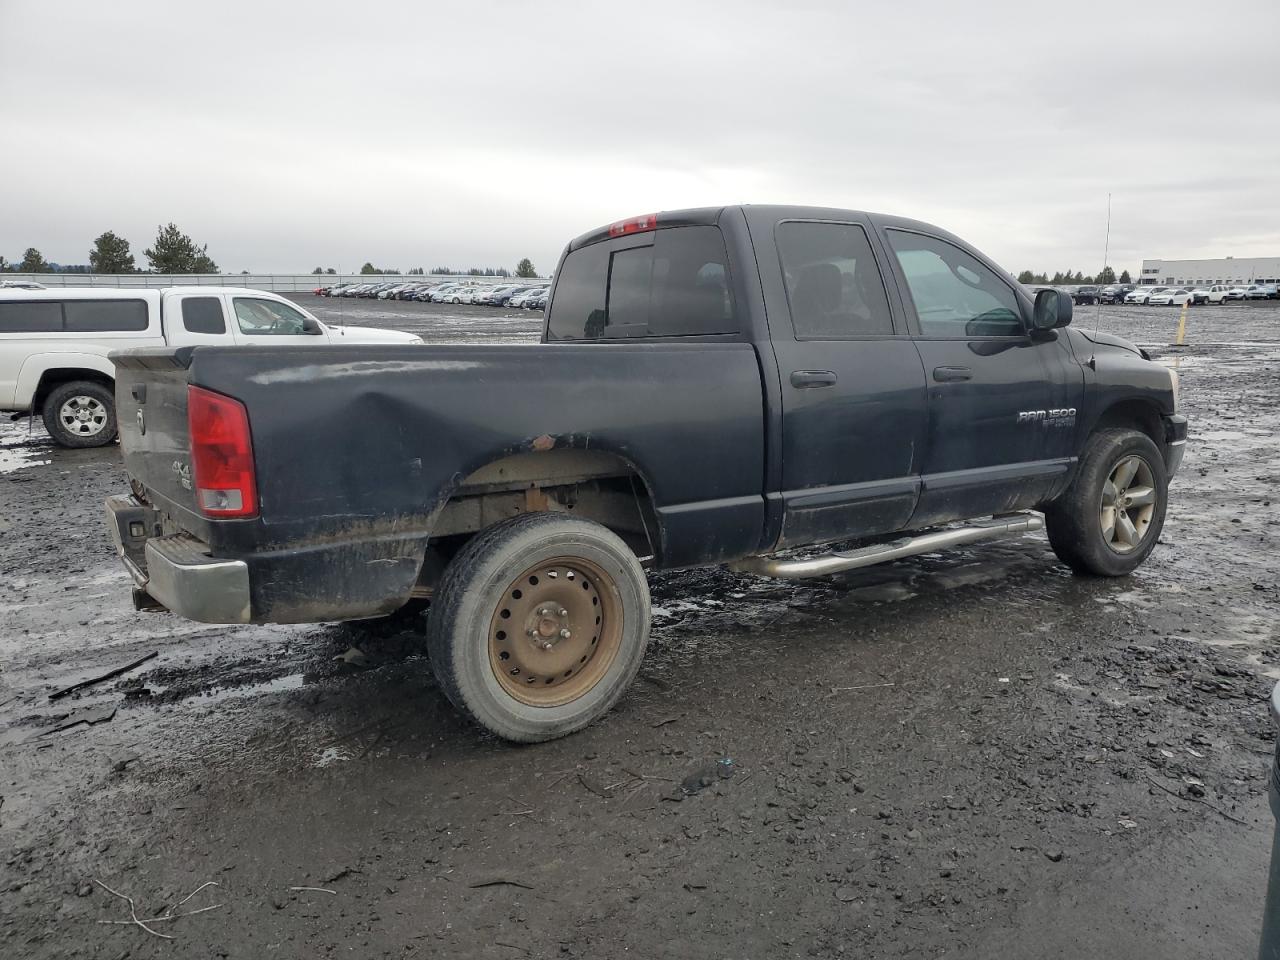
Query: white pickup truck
{"points": [[54, 344]]}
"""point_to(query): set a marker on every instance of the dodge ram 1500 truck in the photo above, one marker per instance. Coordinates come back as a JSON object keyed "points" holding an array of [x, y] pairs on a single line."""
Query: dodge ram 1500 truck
{"points": [[713, 386]]}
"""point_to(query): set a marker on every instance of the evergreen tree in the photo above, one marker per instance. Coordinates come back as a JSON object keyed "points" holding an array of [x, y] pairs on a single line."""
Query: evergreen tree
{"points": [[175, 252], [34, 262], [1125, 278], [111, 254], [524, 269]]}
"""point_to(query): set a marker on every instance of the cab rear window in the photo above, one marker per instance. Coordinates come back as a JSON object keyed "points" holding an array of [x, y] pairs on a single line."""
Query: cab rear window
{"points": [[670, 283]]}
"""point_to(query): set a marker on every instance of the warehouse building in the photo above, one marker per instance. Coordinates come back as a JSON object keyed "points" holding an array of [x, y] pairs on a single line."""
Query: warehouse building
{"points": [[1200, 272]]}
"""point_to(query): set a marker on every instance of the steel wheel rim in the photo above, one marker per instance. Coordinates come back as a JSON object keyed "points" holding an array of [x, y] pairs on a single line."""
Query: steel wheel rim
{"points": [[556, 631], [83, 416], [1127, 505]]}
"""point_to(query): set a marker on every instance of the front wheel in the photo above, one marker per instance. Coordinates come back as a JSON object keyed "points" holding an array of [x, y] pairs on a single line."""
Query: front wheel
{"points": [[538, 625], [1109, 519], [81, 413]]}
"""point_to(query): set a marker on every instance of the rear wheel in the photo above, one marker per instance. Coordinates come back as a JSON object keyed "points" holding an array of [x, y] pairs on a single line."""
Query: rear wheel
{"points": [[538, 625], [81, 413], [1110, 518]]}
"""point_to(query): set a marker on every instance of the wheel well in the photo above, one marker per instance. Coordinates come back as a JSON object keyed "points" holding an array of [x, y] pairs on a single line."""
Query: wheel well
{"points": [[592, 484], [50, 380], [1139, 414]]}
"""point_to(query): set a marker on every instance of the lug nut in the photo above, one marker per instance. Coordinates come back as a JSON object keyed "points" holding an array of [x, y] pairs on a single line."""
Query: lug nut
{"points": [[563, 612], [565, 634], [547, 645]]}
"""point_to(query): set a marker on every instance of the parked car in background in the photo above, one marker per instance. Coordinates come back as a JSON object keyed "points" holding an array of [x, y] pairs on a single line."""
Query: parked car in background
{"points": [[1237, 293], [1213, 294], [499, 295], [55, 345], [538, 301], [1115, 292], [1083, 294], [1142, 294], [1174, 296], [442, 293], [21, 285], [522, 299], [1260, 291], [510, 293]]}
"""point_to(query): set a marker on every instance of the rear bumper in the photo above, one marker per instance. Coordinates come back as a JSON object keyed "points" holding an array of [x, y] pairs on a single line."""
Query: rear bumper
{"points": [[177, 570], [1175, 442]]}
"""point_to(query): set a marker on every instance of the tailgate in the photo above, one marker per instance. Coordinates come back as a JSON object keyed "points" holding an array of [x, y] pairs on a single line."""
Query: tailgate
{"points": [[151, 408]]}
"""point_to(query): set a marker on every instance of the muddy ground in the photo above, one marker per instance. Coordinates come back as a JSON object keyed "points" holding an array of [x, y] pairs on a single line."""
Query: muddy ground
{"points": [[974, 754]]}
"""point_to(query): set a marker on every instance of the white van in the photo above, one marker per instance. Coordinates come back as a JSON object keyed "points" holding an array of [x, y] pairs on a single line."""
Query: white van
{"points": [[54, 343]]}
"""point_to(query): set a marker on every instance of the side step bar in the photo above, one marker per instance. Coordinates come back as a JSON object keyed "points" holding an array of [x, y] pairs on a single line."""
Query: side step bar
{"points": [[993, 529]]}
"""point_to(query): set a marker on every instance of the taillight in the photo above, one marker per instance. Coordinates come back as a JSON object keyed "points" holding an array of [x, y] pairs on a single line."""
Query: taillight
{"points": [[221, 455], [635, 225]]}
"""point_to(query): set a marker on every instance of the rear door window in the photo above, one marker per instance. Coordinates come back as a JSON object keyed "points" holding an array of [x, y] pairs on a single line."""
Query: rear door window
{"points": [[675, 286], [954, 294], [36, 317], [99, 316], [833, 283], [203, 315]]}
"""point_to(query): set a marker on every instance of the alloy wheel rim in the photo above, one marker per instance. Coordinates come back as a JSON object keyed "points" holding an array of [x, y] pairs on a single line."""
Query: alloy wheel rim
{"points": [[83, 416], [556, 631], [1128, 504]]}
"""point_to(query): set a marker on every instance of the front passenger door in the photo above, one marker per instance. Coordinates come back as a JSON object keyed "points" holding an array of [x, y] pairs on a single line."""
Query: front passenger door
{"points": [[1001, 401], [259, 320]]}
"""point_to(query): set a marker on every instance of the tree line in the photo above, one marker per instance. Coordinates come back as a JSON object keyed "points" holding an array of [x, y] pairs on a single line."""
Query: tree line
{"points": [[1107, 275], [175, 252], [172, 252]]}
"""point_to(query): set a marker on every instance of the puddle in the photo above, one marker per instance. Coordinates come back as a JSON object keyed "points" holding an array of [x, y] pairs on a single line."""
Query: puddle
{"points": [[16, 458], [292, 681]]}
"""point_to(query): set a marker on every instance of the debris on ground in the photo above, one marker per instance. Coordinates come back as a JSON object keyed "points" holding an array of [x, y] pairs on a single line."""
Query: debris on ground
{"points": [[102, 677]]}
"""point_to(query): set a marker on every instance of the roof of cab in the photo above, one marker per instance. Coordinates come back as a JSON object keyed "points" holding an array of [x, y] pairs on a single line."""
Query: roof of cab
{"points": [[122, 293], [711, 216]]}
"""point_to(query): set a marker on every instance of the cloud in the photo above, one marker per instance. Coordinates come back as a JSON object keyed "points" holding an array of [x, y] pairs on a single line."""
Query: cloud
{"points": [[287, 137]]}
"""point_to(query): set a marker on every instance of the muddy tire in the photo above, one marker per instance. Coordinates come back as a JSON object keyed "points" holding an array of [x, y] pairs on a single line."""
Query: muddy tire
{"points": [[1110, 518], [81, 413], [538, 625]]}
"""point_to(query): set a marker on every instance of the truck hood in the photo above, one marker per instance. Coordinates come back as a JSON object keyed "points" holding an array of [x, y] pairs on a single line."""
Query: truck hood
{"points": [[346, 334], [1109, 340]]}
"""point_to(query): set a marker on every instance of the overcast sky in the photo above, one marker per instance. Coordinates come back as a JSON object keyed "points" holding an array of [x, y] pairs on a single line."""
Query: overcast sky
{"points": [[287, 136]]}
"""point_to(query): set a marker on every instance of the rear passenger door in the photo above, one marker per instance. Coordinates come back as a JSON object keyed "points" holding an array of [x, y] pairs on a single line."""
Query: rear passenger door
{"points": [[853, 393], [195, 318], [1001, 401]]}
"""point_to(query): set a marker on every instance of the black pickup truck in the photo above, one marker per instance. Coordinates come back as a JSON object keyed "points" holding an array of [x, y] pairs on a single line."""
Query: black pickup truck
{"points": [[713, 386]]}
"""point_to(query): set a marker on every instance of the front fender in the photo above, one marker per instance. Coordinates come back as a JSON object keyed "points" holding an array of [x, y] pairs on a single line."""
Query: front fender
{"points": [[38, 364]]}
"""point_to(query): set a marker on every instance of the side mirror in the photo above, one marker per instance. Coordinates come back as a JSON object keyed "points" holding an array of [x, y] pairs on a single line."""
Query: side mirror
{"points": [[1053, 310], [311, 327]]}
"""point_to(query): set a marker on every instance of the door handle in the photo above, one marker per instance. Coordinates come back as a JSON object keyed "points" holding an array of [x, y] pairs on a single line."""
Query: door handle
{"points": [[805, 379], [952, 374]]}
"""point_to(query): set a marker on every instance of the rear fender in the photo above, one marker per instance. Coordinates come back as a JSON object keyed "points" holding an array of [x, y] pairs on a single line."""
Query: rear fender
{"points": [[37, 365], [569, 458]]}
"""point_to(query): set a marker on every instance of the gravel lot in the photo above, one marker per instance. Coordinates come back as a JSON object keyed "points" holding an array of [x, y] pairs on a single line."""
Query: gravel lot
{"points": [[974, 754]]}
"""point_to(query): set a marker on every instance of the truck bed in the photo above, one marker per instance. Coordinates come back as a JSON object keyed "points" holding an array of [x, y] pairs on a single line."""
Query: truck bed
{"points": [[358, 448]]}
